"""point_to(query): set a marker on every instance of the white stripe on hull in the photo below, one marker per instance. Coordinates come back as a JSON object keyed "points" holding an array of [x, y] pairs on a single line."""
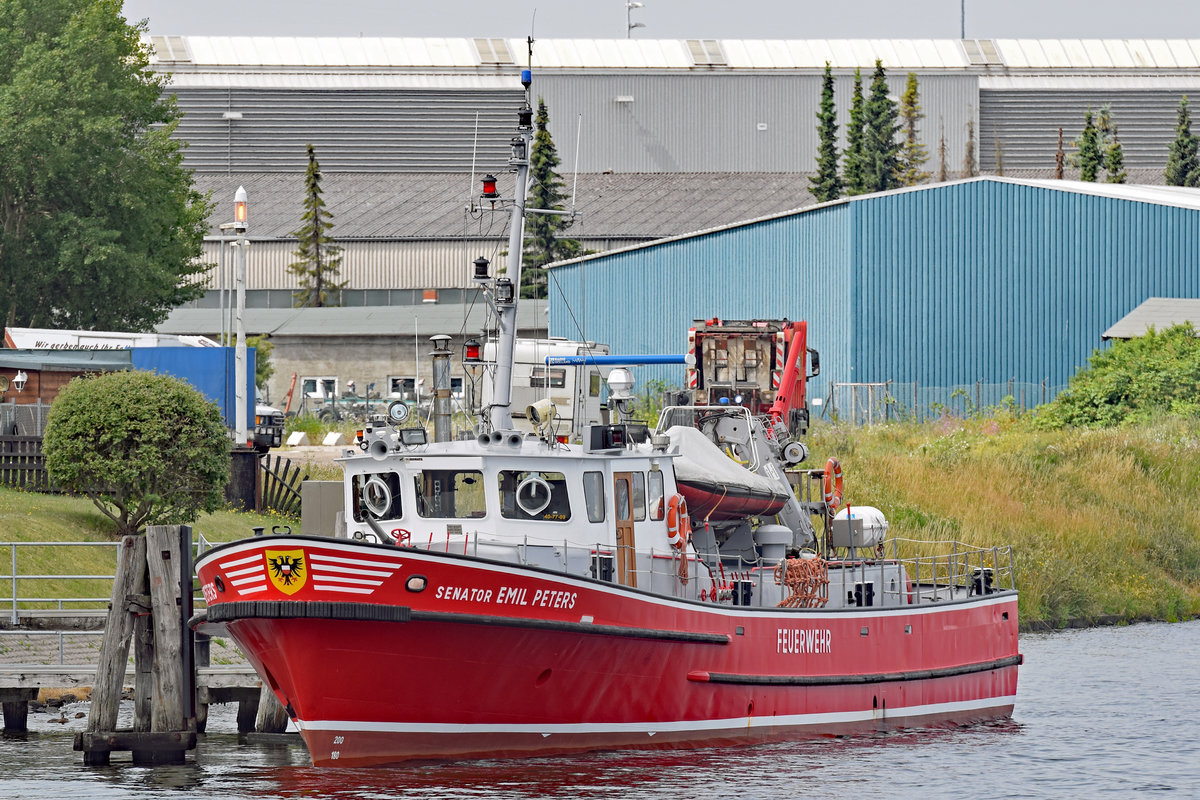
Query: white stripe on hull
{"points": [[650, 728]]}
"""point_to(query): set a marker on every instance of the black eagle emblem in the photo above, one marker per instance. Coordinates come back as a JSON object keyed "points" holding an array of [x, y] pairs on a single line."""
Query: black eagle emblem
{"points": [[287, 569]]}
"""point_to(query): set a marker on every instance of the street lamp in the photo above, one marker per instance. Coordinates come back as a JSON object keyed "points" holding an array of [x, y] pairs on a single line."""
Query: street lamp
{"points": [[629, 23], [240, 216]]}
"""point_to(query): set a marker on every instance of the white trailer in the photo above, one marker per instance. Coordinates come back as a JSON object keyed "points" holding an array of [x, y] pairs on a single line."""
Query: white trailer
{"points": [[574, 390]]}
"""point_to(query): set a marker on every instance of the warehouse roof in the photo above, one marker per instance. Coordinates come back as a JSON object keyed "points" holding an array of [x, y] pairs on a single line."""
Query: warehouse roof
{"points": [[189, 53], [1174, 196], [1158, 313], [391, 321], [422, 205]]}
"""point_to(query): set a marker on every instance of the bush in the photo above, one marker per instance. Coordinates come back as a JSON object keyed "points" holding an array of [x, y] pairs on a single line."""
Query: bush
{"points": [[1133, 381], [147, 449]]}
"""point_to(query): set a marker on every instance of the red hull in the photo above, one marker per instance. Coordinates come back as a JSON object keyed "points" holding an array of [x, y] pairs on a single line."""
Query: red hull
{"points": [[497, 660]]}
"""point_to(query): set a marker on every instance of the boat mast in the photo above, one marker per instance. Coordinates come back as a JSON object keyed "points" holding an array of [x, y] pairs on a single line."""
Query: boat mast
{"points": [[500, 412]]}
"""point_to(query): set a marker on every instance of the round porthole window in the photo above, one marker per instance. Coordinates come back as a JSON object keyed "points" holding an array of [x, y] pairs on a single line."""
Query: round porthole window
{"points": [[377, 497], [533, 495]]}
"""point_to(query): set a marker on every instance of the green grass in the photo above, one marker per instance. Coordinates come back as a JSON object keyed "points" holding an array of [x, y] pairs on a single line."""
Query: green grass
{"points": [[1103, 522], [33, 517]]}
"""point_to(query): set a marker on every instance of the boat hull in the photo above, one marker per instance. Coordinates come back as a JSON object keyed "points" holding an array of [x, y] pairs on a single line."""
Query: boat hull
{"points": [[492, 660]]}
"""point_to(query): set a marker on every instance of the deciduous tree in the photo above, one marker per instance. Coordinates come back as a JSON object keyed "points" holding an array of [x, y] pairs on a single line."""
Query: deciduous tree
{"points": [[542, 242], [148, 449], [827, 185], [318, 259], [100, 226]]}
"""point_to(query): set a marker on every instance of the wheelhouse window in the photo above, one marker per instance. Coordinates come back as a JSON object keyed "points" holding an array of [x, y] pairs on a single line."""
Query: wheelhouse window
{"points": [[656, 495], [450, 494], [639, 496], [376, 495], [593, 495], [530, 495]]}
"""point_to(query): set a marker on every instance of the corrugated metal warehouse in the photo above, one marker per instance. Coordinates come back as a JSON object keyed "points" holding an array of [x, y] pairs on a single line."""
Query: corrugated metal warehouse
{"points": [[984, 280], [666, 105]]}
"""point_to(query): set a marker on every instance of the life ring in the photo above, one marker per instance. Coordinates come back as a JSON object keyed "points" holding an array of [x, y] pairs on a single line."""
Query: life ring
{"points": [[679, 524], [831, 484]]}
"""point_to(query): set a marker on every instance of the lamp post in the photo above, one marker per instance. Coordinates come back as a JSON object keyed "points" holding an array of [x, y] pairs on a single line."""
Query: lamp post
{"points": [[239, 226], [629, 23]]}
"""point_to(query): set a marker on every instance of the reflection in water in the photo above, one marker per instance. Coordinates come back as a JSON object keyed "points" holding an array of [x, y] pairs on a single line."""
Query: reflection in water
{"points": [[1099, 712]]}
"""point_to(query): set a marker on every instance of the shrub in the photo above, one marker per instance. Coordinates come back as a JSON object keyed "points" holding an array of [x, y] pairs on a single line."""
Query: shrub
{"points": [[1133, 381], [147, 449]]}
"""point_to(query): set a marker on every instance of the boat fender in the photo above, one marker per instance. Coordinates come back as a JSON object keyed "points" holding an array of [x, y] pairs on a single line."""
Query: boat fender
{"points": [[679, 524], [831, 483]]}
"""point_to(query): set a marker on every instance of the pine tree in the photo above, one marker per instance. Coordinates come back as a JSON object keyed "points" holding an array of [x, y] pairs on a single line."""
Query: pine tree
{"points": [[943, 167], [1088, 157], [913, 154], [827, 185], [1114, 159], [1183, 163], [1060, 157], [970, 165], [317, 258], [547, 191], [852, 166], [881, 152]]}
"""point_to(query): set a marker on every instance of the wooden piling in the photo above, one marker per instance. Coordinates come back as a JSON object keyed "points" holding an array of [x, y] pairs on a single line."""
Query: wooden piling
{"points": [[271, 716], [114, 648], [162, 554], [147, 593]]}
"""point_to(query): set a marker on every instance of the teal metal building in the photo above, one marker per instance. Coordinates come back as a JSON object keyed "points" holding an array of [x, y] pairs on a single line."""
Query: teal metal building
{"points": [[982, 281]]}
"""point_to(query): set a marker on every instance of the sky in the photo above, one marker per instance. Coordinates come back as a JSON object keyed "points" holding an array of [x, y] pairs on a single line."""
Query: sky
{"points": [[677, 19]]}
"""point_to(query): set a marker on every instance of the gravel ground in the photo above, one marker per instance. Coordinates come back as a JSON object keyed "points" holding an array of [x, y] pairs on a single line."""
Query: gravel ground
{"points": [[76, 648]]}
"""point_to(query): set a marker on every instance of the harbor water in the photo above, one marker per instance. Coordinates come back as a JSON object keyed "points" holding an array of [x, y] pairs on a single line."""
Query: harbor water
{"points": [[1111, 712]]}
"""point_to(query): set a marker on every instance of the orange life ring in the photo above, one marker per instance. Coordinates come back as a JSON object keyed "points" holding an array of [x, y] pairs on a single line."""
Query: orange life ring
{"points": [[679, 524], [831, 484]]}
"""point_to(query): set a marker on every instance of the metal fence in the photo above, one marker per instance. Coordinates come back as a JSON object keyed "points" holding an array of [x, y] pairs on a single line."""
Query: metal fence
{"points": [[27, 419], [23, 588], [872, 403]]}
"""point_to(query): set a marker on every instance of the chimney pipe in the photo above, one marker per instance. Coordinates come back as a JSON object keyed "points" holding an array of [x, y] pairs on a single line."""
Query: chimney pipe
{"points": [[441, 387]]}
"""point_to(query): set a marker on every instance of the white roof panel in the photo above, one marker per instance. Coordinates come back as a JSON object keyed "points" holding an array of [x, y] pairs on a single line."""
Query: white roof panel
{"points": [[951, 52], [1119, 54], [1097, 53], [1182, 52]]}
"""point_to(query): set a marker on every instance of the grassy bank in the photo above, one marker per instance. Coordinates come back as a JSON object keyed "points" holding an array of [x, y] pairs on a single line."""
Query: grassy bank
{"points": [[1104, 523], [33, 517]]}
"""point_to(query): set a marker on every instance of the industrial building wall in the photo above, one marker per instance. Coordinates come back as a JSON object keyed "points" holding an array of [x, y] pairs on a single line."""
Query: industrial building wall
{"points": [[723, 122], [268, 128], [371, 265], [1019, 118], [985, 280], [645, 300], [991, 280]]}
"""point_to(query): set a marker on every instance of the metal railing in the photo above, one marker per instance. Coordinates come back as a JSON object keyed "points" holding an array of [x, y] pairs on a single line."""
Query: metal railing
{"points": [[15, 580], [25, 634]]}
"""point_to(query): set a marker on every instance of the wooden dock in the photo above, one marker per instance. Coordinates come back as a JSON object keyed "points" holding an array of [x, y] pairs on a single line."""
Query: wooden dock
{"points": [[20, 683]]}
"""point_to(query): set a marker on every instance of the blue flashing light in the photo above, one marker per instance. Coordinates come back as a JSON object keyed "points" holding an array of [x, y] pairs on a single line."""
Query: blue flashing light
{"points": [[526, 77]]}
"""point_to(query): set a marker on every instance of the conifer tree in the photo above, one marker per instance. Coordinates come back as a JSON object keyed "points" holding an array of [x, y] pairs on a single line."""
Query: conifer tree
{"points": [[317, 258], [880, 150], [1183, 163], [943, 167], [1060, 157], [913, 154], [1114, 159], [852, 167], [547, 191], [1089, 156], [970, 165], [827, 185]]}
